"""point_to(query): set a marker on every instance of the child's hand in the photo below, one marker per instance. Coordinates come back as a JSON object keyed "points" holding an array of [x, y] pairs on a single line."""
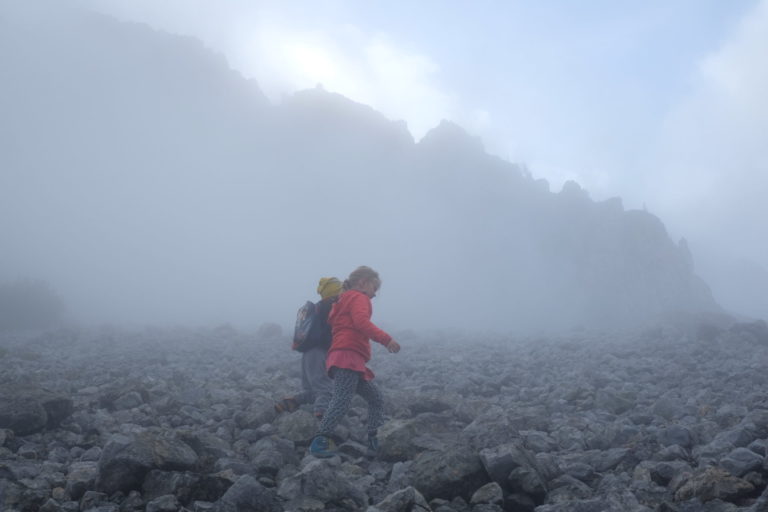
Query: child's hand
{"points": [[393, 346]]}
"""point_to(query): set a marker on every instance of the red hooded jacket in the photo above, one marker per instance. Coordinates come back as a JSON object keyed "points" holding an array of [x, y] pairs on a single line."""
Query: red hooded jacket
{"points": [[351, 325]]}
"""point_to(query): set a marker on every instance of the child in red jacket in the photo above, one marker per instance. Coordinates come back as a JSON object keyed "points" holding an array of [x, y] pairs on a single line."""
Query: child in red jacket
{"points": [[352, 329]]}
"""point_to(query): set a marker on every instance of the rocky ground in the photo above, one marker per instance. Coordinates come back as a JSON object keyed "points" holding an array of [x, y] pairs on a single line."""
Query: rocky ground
{"points": [[669, 419]]}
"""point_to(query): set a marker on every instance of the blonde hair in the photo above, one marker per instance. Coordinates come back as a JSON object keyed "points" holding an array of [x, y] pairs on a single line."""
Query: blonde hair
{"points": [[360, 274]]}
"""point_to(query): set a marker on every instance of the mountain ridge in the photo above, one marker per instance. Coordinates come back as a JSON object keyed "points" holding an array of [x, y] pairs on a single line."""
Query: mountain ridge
{"points": [[160, 167]]}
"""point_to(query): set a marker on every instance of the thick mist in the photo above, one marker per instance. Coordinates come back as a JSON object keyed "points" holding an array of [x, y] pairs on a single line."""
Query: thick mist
{"points": [[147, 182], [162, 218]]}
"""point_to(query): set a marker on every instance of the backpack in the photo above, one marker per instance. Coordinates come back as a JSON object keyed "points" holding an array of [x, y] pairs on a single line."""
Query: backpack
{"points": [[305, 317]]}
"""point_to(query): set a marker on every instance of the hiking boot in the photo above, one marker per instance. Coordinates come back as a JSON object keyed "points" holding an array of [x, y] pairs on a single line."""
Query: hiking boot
{"points": [[322, 447], [288, 404], [373, 446]]}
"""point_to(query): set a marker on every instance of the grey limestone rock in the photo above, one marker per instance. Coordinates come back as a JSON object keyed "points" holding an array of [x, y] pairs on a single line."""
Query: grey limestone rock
{"points": [[92, 454], [81, 478], [663, 472], [487, 507], [500, 460], [92, 499], [621, 503], [489, 493], [491, 428], [403, 439], [612, 402], [538, 441], [566, 488], [299, 426], [741, 461], [455, 472], [324, 481], [269, 454], [237, 466], [26, 410], [713, 483], [248, 495], [127, 459], [166, 503], [675, 435], [404, 499], [185, 486], [672, 452], [577, 469], [606, 460], [259, 413]]}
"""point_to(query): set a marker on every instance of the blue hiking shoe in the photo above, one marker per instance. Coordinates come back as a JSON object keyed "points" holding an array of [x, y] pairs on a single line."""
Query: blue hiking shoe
{"points": [[322, 447]]}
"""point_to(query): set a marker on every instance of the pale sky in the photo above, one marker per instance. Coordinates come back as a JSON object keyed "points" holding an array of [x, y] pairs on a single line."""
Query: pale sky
{"points": [[661, 103]]}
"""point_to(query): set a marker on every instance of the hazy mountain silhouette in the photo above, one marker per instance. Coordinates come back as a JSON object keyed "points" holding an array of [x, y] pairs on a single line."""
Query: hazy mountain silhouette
{"points": [[148, 181]]}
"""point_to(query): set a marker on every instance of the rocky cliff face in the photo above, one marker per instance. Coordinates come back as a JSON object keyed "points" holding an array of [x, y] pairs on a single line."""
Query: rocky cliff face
{"points": [[136, 159]]}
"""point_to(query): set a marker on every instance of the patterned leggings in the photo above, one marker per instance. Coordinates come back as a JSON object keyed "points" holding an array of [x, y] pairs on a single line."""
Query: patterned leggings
{"points": [[345, 384]]}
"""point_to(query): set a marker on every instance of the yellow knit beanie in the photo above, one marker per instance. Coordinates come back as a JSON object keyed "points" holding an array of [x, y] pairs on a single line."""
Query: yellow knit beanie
{"points": [[329, 287]]}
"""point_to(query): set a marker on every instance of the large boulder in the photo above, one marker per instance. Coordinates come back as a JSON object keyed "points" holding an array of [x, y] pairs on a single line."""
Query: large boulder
{"points": [[269, 454], [21, 416], [29, 410], [447, 474], [402, 439], [207, 446], [501, 460], [248, 495], [81, 478], [320, 481], [126, 459]]}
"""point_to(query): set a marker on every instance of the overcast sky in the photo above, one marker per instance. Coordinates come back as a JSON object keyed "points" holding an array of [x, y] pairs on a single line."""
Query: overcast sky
{"points": [[661, 103]]}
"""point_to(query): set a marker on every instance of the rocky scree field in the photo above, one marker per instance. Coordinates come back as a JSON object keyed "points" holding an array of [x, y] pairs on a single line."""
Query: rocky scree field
{"points": [[108, 420]]}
